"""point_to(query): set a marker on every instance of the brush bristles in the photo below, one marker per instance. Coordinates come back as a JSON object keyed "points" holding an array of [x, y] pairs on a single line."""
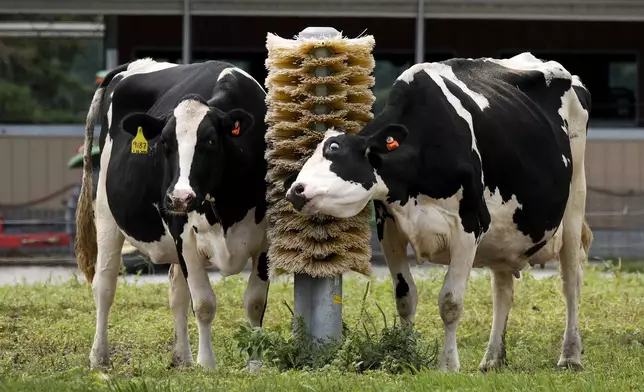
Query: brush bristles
{"points": [[320, 246]]}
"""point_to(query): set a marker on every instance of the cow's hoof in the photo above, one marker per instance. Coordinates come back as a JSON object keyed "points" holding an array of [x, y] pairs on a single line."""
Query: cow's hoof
{"points": [[449, 365], [254, 365], [570, 363], [180, 363], [208, 363], [491, 364]]}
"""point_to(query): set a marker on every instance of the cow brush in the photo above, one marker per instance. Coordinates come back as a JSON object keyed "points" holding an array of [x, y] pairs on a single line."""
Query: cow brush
{"points": [[319, 246]]}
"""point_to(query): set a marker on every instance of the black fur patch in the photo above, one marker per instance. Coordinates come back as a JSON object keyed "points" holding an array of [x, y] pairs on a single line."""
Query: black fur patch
{"points": [[535, 248], [262, 267], [402, 288]]}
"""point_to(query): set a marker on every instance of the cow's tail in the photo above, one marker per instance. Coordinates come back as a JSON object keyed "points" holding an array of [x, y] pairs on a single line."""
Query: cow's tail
{"points": [[85, 246], [586, 236]]}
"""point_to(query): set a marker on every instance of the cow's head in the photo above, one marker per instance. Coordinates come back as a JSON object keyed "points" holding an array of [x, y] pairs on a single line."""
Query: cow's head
{"points": [[340, 178], [194, 139]]}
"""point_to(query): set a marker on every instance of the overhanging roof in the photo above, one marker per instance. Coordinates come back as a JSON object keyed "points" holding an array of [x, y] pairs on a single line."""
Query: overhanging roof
{"points": [[608, 10], [52, 29]]}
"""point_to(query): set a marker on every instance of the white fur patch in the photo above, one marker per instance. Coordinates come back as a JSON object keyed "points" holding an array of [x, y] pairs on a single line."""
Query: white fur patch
{"points": [[231, 72], [446, 72], [109, 113], [576, 81], [144, 66], [189, 114], [526, 61], [229, 253], [428, 224]]}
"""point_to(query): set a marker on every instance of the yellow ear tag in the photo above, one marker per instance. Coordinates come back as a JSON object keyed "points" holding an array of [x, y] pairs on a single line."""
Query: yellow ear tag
{"points": [[139, 144]]}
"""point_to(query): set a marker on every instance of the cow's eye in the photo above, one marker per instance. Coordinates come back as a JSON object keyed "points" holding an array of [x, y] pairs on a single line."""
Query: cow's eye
{"points": [[211, 142], [333, 146]]}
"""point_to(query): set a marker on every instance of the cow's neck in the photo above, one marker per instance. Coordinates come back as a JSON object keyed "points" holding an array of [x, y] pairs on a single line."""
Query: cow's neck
{"points": [[237, 190], [381, 190]]}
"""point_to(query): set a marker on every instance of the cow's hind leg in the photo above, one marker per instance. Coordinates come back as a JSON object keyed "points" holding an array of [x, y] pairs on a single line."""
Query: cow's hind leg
{"points": [[179, 305], [571, 254], [394, 247], [256, 292], [255, 298], [110, 243], [450, 300], [571, 260], [502, 297]]}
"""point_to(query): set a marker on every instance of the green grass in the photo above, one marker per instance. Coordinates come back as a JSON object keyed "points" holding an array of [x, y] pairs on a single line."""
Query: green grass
{"points": [[46, 332], [623, 265]]}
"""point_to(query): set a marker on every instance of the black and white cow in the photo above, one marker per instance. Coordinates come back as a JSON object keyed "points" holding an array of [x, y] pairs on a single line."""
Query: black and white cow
{"points": [[195, 199], [475, 163]]}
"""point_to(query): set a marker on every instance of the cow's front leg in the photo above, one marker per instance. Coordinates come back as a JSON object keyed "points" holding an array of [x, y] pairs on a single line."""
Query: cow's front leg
{"points": [[502, 296], [204, 302], [179, 305], [450, 300], [394, 247]]}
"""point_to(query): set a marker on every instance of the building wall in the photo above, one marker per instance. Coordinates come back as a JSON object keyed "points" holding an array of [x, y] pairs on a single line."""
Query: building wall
{"points": [[615, 181], [32, 168]]}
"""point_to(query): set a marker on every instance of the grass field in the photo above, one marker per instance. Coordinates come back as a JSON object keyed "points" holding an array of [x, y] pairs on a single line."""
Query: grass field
{"points": [[46, 332]]}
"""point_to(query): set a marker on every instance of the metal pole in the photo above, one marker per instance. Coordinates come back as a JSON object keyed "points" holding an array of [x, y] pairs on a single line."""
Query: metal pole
{"points": [[318, 301], [111, 42], [420, 32], [187, 33]]}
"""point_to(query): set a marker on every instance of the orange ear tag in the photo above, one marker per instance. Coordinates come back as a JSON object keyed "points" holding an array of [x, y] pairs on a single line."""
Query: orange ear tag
{"points": [[391, 143], [236, 129]]}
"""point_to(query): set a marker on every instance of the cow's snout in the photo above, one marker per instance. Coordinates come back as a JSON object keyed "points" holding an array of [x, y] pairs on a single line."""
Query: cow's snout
{"points": [[296, 196], [180, 199]]}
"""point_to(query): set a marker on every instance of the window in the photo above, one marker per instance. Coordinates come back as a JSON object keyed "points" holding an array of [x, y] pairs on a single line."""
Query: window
{"points": [[48, 80], [622, 82]]}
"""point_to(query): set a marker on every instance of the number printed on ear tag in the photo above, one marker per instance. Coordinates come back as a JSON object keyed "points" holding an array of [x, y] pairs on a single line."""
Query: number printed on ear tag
{"points": [[139, 144]]}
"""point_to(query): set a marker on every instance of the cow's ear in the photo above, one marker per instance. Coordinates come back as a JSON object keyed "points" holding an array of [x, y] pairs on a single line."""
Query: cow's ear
{"points": [[236, 122], [387, 139], [150, 125]]}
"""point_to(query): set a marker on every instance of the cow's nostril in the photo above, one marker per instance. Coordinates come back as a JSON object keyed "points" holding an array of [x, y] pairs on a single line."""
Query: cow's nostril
{"points": [[299, 189], [189, 198]]}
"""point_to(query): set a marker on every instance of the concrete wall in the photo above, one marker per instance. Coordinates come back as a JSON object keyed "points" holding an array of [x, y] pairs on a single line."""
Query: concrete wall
{"points": [[34, 167], [615, 178]]}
